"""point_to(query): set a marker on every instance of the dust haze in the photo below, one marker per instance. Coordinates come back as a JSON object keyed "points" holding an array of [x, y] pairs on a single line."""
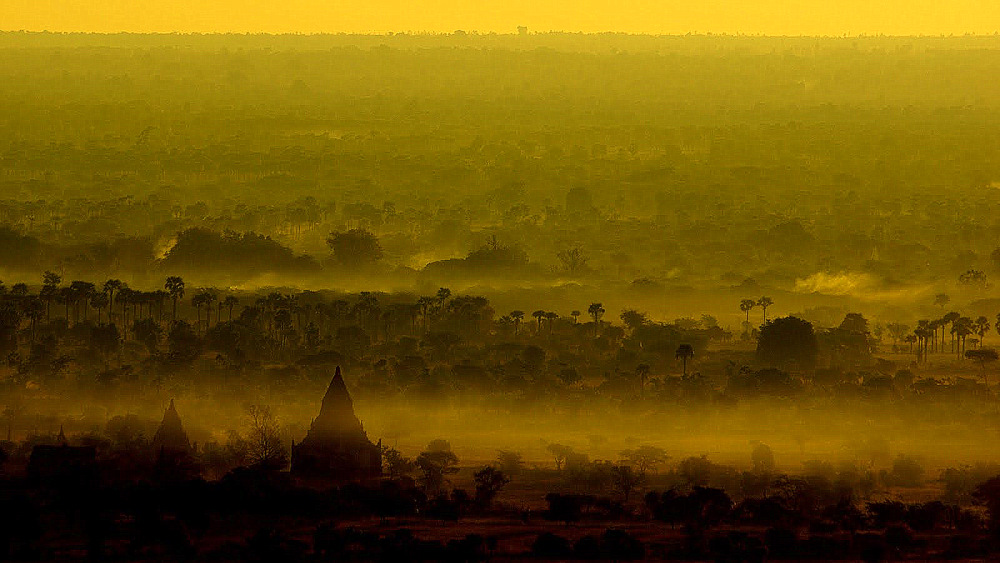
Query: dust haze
{"points": [[580, 276]]}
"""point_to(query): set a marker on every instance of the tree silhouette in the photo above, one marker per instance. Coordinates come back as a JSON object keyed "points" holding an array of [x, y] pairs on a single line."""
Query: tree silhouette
{"points": [[19, 290], [982, 327], [443, 294], [787, 340], [573, 259], [625, 480], [82, 291], [923, 334], [265, 448], [560, 453], [50, 290], [426, 304], [489, 482], [633, 319], [396, 463], [983, 356], [100, 302], [764, 303], [684, 353], [538, 315], [596, 311], [34, 309], [210, 300], [175, 287], [747, 305], [356, 247], [645, 458], [198, 301], [974, 278], [148, 333], [897, 331], [517, 315], [951, 318], [962, 327], [230, 302], [435, 465], [551, 317], [67, 297], [110, 288]]}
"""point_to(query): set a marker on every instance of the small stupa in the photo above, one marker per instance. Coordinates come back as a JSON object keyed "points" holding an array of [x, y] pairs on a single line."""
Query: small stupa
{"points": [[336, 446]]}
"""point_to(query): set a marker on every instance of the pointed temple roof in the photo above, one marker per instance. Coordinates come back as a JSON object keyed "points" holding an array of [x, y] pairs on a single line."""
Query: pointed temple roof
{"points": [[336, 420], [171, 433]]}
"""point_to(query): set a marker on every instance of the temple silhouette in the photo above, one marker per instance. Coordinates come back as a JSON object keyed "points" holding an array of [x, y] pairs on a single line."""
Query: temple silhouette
{"points": [[175, 459], [170, 436], [336, 447]]}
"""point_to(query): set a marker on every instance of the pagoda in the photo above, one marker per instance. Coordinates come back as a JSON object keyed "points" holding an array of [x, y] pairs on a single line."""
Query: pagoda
{"points": [[336, 447]]}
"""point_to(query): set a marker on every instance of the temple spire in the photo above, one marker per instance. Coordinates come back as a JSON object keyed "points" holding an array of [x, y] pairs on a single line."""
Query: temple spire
{"points": [[336, 446], [171, 433], [336, 418]]}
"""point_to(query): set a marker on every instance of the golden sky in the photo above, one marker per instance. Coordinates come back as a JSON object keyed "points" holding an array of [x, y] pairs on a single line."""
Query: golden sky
{"points": [[771, 17]]}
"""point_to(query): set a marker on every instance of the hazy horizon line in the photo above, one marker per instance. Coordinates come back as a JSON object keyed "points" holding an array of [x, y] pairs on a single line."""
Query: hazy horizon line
{"points": [[462, 32]]}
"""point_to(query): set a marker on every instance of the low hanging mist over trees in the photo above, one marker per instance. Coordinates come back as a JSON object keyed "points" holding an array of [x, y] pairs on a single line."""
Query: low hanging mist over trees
{"points": [[472, 296]]}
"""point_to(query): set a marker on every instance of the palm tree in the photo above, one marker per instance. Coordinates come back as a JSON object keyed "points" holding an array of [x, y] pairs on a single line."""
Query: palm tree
{"points": [[210, 299], [933, 325], [443, 294], [539, 315], [923, 334], [746, 306], [50, 290], [159, 296], [576, 314], [764, 303], [197, 301], [125, 296], [551, 317], [110, 287], [33, 309], [100, 301], [517, 315], [67, 297], [962, 327], [19, 290], [425, 304], [982, 327], [175, 286], [596, 310], [684, 352], [230, 302], [209, 306], [82, 291], [951, 318]]}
